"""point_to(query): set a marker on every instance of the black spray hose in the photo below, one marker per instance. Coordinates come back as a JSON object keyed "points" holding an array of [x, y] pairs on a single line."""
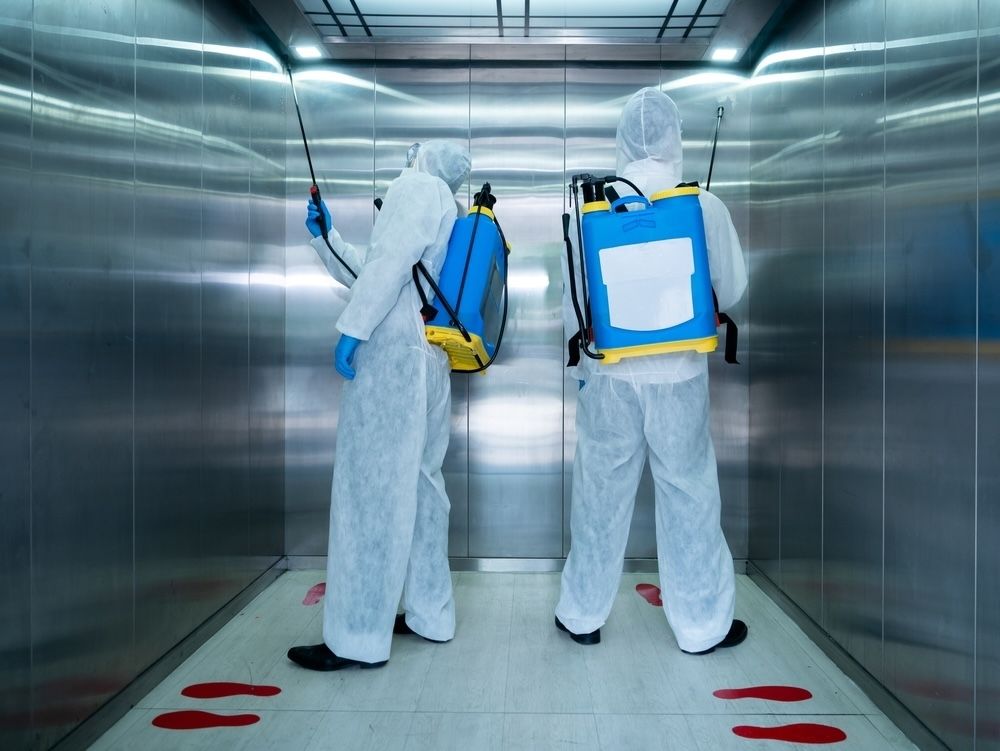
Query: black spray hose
{"points": [[617, 179], [718, 124], [572, 291], [587, 318], [575, 195], [314, 193], [480, 200]]}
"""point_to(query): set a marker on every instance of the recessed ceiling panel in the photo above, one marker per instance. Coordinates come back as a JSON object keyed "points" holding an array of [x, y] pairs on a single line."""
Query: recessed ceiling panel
{"points": [[645, 21]]}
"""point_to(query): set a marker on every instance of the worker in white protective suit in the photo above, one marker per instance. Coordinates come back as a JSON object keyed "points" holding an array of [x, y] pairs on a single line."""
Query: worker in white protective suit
{"points": [[657, 406], [389, 509]]}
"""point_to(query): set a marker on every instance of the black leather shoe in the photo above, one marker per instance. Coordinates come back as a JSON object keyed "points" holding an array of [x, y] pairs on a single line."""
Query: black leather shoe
{"points": [[737, 633], [320, 657], [400, 627], [594, 637]]}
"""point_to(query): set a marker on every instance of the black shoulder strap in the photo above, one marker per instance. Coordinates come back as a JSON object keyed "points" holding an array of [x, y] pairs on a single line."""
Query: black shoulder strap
{"points": [[732, 332], [573, 350], [427, 311]]}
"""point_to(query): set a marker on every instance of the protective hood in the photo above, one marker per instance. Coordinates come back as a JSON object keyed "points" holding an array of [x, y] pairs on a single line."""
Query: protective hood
{"points": [[649, 141], [444, 159]]}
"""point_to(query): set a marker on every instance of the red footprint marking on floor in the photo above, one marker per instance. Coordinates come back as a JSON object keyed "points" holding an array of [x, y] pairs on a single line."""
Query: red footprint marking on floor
{"points": [[650, 593], [220, 690], [771, 693], [800, 732], [196, 720], [315, 594]]}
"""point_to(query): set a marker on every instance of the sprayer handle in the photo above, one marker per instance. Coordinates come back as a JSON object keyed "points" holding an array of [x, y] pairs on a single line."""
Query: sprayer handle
{"points": [[630, 199], [317, 199]]}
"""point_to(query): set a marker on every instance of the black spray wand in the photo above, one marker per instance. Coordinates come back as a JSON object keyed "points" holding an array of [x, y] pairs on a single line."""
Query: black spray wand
{"points": [[314, 193]]}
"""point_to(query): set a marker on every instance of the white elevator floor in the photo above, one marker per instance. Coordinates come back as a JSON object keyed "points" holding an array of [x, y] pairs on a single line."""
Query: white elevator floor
{"points": [[509, 680]]}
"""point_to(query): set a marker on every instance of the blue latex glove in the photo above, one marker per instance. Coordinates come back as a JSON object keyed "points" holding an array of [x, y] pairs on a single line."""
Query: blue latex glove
{"points": [[312, 219], [343, 356]]}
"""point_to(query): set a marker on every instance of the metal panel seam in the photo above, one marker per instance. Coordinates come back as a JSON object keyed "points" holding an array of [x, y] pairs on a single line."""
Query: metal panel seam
{"points": [[975, 457], [822, 328], [135, 183], [885, 275]]}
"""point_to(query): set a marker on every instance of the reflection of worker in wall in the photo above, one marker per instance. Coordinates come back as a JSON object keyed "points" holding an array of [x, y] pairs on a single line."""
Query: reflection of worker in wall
{"points": [[389, 509], [656, 405]]}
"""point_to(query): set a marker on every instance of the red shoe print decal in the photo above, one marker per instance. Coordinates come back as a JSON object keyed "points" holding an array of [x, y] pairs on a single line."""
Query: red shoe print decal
{"points": [[650, 593], [771, 693], [801, 732], [315, 594], [221, 690], [195, 720]]}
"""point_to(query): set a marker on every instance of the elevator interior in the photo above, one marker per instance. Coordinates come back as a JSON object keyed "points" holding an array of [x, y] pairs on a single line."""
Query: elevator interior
{"points": [[169, 408]]}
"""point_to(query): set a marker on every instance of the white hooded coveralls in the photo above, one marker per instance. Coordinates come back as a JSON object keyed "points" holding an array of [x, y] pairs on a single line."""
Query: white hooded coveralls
{"points": [[389, 509], [655, 406]]}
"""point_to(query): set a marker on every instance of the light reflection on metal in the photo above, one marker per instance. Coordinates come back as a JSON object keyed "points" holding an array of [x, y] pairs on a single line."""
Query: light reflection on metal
{"points": [[323, 75], [725, 54], [108, 120], [307, 52], [705, 79]]}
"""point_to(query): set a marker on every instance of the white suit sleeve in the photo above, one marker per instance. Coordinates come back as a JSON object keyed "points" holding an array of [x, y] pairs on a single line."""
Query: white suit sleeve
{"points": [[410, 221], [353, 255], [725, 254]]}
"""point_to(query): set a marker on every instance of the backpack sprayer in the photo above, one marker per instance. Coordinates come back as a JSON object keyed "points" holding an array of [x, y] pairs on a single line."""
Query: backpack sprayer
{"points": [[645, 276]]}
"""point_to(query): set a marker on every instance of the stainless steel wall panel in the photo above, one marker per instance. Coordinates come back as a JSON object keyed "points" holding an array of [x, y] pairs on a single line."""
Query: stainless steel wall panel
{"points": [[988, 391], [516, 411], [788, 268], [15, 388], [338, 110], [594, 100], [225, 302], [418, 104], [268, 144], [766, 319], [930, 409], [698, 96], [854, 274], [899, 342], [168, 377], [81, 318], [112, 549]]}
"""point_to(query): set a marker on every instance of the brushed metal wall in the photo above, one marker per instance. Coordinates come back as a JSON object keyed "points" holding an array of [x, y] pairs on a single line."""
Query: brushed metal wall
{"points": [[528, 128], [15, 378], [870, 386], [141, 340], [988, 381]]}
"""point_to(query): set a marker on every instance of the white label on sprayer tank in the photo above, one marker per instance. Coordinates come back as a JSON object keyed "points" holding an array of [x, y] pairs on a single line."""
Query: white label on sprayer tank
{"points": [[649, 284]]}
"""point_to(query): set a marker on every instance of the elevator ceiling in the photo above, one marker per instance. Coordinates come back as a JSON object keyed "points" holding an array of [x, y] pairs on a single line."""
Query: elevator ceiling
{"points": [[691, 30]]}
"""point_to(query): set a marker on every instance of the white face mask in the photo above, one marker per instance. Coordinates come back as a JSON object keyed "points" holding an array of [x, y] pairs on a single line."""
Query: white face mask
{"points": [[651, 175]]}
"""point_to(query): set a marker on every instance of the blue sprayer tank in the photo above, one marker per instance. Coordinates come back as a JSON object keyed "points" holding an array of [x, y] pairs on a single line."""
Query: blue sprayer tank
{"points": [[648, 276], [472, 281]]}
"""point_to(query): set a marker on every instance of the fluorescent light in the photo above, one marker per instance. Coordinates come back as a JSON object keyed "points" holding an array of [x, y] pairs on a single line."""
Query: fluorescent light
{"points": [[307, 52], [725, 54]]}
